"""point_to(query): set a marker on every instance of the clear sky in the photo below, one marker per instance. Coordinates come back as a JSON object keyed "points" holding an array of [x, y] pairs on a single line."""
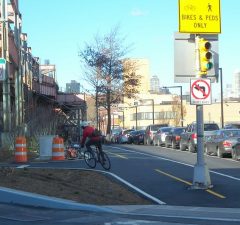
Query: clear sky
{"points": [[57, 29]]}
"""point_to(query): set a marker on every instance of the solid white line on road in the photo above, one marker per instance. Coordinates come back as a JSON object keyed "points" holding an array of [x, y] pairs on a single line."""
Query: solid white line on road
{"points": [[137, 189], [22, 166], [171, 160], [118, 155]]}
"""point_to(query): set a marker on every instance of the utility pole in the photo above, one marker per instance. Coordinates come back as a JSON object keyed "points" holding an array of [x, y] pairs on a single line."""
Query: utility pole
{"points": [[153, 112], [6, 82]]}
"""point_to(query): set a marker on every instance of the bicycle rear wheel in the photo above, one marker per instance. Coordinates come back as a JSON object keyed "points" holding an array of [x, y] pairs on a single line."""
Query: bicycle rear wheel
{"points": [[89, 159], [105, 162]]}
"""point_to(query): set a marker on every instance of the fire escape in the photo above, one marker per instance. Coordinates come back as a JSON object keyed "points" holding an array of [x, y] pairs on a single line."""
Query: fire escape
{"points": [[27, 88]]}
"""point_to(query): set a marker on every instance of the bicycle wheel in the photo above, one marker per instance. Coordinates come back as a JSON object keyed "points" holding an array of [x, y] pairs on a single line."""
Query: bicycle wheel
{"points": [[67, 155], [89, 159], [106, 164], [80, 153]]}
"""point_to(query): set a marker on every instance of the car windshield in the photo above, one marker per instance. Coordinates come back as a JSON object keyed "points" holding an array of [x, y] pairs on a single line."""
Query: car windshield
{"points": [[116, 131], [156, 127], [209, 127], [127, 131], [231, 133], [178, 130], [166, 129]]}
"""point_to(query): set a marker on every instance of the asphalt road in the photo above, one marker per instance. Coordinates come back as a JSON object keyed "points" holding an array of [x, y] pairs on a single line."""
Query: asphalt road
{"points": [[167, 175]]}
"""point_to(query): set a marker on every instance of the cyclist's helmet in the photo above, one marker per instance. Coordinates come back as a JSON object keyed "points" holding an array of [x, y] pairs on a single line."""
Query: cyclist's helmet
{"points": [[84, 124]]}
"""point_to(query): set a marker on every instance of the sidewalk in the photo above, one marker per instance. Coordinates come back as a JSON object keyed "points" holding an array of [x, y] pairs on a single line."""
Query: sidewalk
{"points": [[11, 196]]}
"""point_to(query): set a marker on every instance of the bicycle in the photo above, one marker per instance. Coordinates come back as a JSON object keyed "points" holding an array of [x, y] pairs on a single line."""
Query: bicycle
{"points": [[73, 151], [93, 157]]}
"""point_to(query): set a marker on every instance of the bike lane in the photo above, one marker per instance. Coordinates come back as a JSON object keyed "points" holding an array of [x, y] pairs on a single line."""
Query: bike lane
{"points": [[170, 180]]}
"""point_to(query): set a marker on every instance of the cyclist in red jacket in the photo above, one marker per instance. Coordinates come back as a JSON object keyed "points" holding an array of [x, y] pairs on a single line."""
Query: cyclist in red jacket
{"points": [[88, 139]]}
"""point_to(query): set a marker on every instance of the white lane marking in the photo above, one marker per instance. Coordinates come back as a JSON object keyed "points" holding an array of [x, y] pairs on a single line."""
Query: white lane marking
{"points": [[138, 190], [171, 160], [22, 166]]}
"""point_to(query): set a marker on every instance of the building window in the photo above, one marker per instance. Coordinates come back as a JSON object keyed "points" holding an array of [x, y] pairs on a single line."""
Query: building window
{"points": [[157, 115]]}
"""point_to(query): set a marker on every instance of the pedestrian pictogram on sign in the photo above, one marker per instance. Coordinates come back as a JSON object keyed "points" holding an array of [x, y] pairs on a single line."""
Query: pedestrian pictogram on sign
{"points": [[200, 91]]}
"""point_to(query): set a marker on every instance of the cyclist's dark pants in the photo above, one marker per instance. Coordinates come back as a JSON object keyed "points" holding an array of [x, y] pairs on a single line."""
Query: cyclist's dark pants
{"points": [[97, 143]]}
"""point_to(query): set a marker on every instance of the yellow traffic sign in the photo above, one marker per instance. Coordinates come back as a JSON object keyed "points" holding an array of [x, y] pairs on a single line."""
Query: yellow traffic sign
{"points": [[199, 16]]}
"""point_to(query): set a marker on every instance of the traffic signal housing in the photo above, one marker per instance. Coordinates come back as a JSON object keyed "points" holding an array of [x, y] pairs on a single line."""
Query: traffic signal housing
{"points": [[205, 56]]}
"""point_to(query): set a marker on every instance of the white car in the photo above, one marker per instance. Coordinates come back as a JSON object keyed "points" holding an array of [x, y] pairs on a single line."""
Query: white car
{"points": [[160, 135]]}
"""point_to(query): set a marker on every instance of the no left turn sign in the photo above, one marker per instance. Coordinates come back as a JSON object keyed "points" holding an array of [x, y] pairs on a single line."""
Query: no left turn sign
{"points": [[200, 91]]}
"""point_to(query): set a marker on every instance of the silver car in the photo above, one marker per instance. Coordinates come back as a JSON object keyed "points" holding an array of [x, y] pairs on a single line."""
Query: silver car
{"points": [[159, 137], [220, 142]]}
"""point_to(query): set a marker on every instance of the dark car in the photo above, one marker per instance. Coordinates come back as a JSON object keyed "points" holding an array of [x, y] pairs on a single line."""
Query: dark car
{"points": [[150, 131], [236, 150], [173, 137], [131, 135], [189, 136], [235, 125], [138, 137]]}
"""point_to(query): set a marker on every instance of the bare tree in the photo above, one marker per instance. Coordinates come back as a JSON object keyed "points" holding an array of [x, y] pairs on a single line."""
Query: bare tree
{"points": [[109, 72], [176, 107]]}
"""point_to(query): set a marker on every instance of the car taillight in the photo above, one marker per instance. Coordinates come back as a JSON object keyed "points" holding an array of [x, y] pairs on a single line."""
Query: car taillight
{"points": [[227, 144], [177, 138], [194, 136]]}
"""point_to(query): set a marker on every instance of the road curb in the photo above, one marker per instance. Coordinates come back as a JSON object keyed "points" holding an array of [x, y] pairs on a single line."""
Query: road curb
{"points": [[12, 196]]}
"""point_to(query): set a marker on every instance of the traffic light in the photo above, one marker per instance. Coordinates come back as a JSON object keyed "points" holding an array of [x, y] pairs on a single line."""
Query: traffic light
{"points": [[205, 56]]}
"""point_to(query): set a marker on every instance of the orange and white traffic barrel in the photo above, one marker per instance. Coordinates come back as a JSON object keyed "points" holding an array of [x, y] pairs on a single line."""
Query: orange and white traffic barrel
{"points": [[58, 149], [20, 149]]}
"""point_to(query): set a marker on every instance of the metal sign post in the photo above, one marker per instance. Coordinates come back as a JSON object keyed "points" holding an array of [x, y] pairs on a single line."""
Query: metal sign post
{"points": [[198, 18], [201, 178]]}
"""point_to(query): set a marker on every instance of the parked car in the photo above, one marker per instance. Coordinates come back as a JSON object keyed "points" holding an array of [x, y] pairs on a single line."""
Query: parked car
{"points": [[221, 142], [236, 150], [138, 137], [188, 139], [233, 125], [115, 133], [160, 135], [173, 137], [131, 135], [123, 136], [150, 131]]}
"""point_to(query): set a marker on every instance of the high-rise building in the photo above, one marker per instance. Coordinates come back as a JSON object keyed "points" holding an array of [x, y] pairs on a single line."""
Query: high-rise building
{"points": [[228, 92], [154, 84], [236, 83], [144, 71], [73, 87]]}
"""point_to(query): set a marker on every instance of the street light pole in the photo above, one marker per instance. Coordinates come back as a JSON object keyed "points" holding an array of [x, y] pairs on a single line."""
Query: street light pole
{"points": [[181, 107], [221, 84], [153, 110], [181, 101], [136, 117], [123, 120]]}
